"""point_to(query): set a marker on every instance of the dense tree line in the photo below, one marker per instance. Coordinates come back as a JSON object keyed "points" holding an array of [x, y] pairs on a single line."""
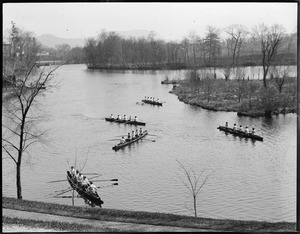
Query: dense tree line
{"points": [[239, 47]]}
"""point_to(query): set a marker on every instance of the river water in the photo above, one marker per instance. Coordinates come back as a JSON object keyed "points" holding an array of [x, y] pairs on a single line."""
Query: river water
{"points": [[249, 180]]}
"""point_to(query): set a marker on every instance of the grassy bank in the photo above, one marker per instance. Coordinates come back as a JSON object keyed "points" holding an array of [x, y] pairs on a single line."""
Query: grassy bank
{"points": [[60, 226], [246, 97], [146, 217]]}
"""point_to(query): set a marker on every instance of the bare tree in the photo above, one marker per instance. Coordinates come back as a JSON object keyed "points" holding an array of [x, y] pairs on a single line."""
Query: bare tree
{"points": [[252, 87], [241, 82], [212, 45], [19, 129], [194, 42], [194, 183], [208, 82], [185, 47], [154, 46], [270, 38], [237, 35], [280, 73]]}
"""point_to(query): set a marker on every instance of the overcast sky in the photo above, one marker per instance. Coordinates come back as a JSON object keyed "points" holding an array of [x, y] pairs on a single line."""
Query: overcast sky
{"points": [[170, 20]]}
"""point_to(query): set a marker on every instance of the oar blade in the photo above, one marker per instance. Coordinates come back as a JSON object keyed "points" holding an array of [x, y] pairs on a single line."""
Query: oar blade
{"points": [[105, 180], [56, 181]]}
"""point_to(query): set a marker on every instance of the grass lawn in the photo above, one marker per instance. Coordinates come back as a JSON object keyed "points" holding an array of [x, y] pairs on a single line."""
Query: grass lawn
{"points": [[143, 217]]}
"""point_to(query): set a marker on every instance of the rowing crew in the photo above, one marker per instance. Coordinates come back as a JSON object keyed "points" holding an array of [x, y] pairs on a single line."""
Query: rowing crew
{"points": [[124, 118], [240, 129], [83, 181], [151, 99], [132, 136]]}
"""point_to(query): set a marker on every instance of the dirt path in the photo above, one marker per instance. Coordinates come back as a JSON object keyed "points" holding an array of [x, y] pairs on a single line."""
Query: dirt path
{"points": [[122, 227]]}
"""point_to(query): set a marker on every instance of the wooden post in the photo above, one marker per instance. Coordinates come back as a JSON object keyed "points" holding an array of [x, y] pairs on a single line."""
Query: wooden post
{"points": [[73, 198]]}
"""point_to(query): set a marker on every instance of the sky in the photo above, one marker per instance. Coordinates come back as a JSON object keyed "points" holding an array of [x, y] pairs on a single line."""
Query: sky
{"points": [[171, 21]]}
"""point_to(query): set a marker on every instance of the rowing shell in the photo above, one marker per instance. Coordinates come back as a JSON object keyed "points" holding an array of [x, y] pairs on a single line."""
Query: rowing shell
{"points": [[94, 198], [240, 133], [133, 122], [121, 145], [152, 102]]}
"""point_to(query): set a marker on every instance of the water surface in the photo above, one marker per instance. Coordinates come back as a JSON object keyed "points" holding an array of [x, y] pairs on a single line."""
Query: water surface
{"points": [[251, 180]]}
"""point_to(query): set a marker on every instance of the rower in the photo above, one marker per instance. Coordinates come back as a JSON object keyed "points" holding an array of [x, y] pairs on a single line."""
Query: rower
{"points": [[85, 183], [93, 188], [122, 140], [247, 130], [141, 131], [253, 131], [111, 116], [119, 117], [136, 132], [226, 124], [73, 172], [130, 118], [157, 99], [234, 127], [125, 117], [241, 128], [128, 137], [132, 135], [135, 118], [77, 174], [80, 178]]}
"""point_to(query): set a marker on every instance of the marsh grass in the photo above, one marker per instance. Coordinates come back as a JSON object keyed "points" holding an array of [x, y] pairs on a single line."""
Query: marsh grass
{"points": [[146, 217]]}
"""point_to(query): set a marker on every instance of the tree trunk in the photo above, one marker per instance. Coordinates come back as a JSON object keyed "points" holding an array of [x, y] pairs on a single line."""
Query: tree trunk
{"points": [[265, 78], [19, 187], [195, 206]]}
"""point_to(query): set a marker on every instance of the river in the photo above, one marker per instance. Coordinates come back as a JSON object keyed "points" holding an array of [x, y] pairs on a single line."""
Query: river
{"points": [[250, 180]]}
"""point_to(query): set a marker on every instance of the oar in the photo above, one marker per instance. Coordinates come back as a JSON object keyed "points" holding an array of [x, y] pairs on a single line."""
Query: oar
{"points": [[95, 176], [105, 180], [108, 185], [62, 190], [92, 173], [148, 140], [65, 191], [64, 197], [114, 140], [152, 134], [56, 181]]}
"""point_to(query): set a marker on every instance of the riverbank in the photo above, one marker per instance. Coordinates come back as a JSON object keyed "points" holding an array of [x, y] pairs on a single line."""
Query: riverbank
{"points": [[247, 97], [123, 216]]}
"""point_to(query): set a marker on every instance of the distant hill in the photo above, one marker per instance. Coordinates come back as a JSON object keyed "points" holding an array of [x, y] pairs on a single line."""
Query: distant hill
{"points": [[133, 33], [50, 40]]}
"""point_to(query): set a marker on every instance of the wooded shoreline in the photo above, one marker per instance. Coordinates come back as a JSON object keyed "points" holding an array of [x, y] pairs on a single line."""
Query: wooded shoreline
{"points": [[172, 66]]}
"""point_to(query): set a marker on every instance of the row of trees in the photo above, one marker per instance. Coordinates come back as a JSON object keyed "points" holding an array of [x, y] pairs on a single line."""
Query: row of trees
{"points": [[260, 46], [109, 47], [63, 52]]}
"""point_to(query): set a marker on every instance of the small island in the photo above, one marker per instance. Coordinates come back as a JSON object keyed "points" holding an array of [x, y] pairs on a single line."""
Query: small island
{"points": [[246, 97]]}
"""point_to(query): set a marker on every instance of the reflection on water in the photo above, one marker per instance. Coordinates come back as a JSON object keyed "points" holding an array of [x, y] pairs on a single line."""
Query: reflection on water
{"points": [[252, 180], [255, 73]]}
